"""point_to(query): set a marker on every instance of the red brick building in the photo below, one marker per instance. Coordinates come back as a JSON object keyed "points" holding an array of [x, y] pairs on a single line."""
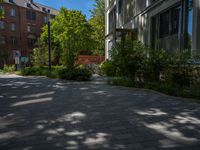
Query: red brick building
{"points": [[20, 28]]}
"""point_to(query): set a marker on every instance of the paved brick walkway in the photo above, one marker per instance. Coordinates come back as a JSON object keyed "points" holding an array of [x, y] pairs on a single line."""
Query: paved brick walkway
{"points": [[44, 114]]}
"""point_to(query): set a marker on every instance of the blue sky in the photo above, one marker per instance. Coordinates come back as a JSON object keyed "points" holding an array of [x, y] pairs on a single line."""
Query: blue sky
{"points": [[84, 5]]}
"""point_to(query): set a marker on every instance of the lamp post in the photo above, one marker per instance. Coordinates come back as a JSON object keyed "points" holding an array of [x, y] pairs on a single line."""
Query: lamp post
{"points": [[49, 38]]}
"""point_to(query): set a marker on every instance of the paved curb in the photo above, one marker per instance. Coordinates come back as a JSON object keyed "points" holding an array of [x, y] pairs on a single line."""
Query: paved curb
{"points": [[105, 82], [159, 93]]}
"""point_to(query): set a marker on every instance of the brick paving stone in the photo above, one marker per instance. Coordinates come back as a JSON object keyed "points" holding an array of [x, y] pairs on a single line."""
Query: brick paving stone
{"points": [[37, 113]]}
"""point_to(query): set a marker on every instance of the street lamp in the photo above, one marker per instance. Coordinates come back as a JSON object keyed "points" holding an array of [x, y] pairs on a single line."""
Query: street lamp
{"points": [[49, 37]]}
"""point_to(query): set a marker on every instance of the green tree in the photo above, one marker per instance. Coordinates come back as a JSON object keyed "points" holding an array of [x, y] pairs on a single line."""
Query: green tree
{"points": [[99, 8], [97, 23], [40, 55], [70, 33], [98, 34]]}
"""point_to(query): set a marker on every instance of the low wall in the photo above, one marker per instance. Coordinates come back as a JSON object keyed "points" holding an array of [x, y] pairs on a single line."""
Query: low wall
{"points": [[88, 60]]}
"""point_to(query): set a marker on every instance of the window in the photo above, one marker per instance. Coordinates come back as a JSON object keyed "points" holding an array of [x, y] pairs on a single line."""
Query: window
{"points": [[11, 1], [30, 15], [13, 26], [120, 6], [170, 22], [112, 20], [28, 4], [164, 24], [2, 11], [33, 16], [2, 25], [31, 42], [176, 20], [12, 12], [44, 9], [129, 9], [31, 29], [2, 8], [14, 41], [2, 40]]}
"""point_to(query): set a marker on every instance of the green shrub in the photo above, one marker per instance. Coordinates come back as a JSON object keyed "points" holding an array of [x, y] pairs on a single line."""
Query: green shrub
{"points": [[179, 77], [129, 57], [78, 74], [122, 81], [9, 68], [108, 69], [157, 61], [65, 74], [37, 71], [195, 91], [26, 71], [52, 74], [140, 66], [82, 74]]}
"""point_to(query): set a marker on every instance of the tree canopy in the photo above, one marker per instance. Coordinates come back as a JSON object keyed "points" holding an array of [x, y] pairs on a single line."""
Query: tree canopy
{"points": [[70, 33], [97, 23], [99, 8]]}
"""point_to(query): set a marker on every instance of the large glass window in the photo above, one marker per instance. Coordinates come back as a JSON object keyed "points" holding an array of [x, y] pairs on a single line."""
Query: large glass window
{"points": [[112, 20], [176, 13], [129, 9], [164, 24], [178, 21], [170, 22], [120, 6]]}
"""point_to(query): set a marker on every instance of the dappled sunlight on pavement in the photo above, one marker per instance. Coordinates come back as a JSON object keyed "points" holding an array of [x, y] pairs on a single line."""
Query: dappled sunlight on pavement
{"points": [[37, 113]]}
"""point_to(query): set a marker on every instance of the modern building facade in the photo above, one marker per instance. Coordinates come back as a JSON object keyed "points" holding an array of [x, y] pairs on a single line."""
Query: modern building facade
{"points": [[172, 25], [20, 28]]}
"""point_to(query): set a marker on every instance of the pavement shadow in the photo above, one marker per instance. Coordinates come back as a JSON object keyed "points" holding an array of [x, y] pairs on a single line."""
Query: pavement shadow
{"points": [[39, 113]]}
